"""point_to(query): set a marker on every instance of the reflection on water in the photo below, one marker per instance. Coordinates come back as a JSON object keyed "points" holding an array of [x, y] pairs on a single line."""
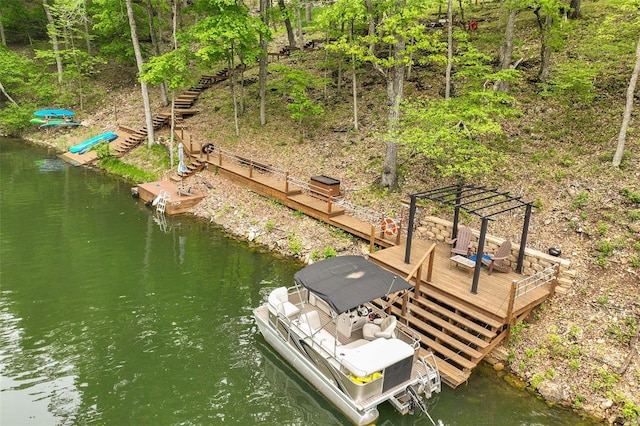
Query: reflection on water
{"points": [[110, 315]]}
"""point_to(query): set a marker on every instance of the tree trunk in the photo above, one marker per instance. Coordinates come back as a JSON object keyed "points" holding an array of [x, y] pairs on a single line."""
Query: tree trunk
{"points": [[85, 20], [622, 136], [54, 40], [287, 24], [372, 25], [447, 89], [3, 38], [264, 62], [307, 10], [506, 51], [575, 9], [300, 36], [395, 86], [7, 95], [545, 48], [143, 85], [232, 87], [354, 84], [156, 49]]}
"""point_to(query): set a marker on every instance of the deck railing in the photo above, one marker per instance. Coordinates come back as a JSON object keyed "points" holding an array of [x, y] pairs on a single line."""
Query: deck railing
{"points": [[530, 283], [526, 285]]}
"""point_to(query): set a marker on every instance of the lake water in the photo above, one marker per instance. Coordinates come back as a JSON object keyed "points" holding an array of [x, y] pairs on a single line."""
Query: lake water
{"points": [[112, 316]]}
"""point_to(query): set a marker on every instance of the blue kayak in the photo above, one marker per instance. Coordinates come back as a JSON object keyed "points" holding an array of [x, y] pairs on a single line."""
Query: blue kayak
{"points": [[81, 148], [54, 113]]}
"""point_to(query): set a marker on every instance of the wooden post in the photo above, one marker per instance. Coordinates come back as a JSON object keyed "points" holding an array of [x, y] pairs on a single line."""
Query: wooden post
{"points": [[399, 232], [554, 281], [329, 204], [286, 182], [418, 278], [372, 239], [512, 299], [405, 301]]}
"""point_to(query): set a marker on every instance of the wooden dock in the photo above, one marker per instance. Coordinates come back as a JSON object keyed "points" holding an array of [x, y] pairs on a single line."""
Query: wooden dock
{"points": [[180, 198]]}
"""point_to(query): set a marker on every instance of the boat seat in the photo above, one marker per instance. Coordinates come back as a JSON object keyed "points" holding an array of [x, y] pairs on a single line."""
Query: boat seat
{"points": [[279, 303], [310, 324], [312, 319], [386, 329]]}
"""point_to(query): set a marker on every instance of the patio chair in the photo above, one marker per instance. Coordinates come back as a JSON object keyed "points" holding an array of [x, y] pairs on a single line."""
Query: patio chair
{"points": [[462, 243], [496, 261]]}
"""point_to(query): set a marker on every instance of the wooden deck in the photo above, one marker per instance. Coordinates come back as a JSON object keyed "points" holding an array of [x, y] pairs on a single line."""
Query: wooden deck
{"points": [[181, 199], [459, 327]]}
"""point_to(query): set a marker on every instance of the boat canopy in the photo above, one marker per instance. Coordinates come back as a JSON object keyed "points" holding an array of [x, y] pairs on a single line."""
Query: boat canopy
{"points": [[346, 282]]}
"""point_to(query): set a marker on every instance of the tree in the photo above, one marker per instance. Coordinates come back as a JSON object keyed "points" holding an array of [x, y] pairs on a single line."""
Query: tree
{"points": [[575, 12], [3, 38], [346, 13], [626, 117], [548, 15], [264, 60], [227, 32], [53, 34], [390, 25], [454, 137], [296, 84], [139, 62], [506, 51], [287, 23]]}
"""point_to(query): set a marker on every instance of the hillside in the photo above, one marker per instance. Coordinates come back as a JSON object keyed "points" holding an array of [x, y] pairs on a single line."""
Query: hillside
{"points": [[581, 348]]}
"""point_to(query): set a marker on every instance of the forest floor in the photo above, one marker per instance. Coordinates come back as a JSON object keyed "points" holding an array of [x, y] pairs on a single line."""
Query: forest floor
{"points": [[579, 350]]}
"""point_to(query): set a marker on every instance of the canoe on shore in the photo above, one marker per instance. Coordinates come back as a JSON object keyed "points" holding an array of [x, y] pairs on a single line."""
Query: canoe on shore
{"points": [[81, 148], [57, 113], [44, 122]]}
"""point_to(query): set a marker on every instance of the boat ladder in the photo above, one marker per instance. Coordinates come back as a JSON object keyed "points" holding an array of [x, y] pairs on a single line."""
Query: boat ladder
{"points": [[163, 197]]}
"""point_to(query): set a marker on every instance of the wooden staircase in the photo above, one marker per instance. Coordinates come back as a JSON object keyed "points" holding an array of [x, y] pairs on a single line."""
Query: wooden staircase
{"points": [[460, 335]]}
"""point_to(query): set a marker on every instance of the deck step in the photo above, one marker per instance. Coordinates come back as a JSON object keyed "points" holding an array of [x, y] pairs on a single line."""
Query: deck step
{"points": [[450, 333], [451, 375], [419, 327], [460, 305], [454, 317]]}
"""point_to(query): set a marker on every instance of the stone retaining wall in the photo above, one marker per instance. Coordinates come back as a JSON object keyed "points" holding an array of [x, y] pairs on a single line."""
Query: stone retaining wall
{"points": [[439, 230]]}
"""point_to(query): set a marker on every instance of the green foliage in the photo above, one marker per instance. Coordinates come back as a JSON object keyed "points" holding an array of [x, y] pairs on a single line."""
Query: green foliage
{"points": [[173, 68], [14, 119], [580, 201], [297, 84], [625, 332], [227, 30], [295, 243], [128, 171], [450, 134], [608, 380], [572, 81], [631, 412], [270, 225], [315, 255], [631, 196], [103, 151], [605, 247], [329, 252]]}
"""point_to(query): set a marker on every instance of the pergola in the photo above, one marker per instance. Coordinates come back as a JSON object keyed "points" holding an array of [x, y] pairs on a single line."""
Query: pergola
{"points": [[486, 203]]}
